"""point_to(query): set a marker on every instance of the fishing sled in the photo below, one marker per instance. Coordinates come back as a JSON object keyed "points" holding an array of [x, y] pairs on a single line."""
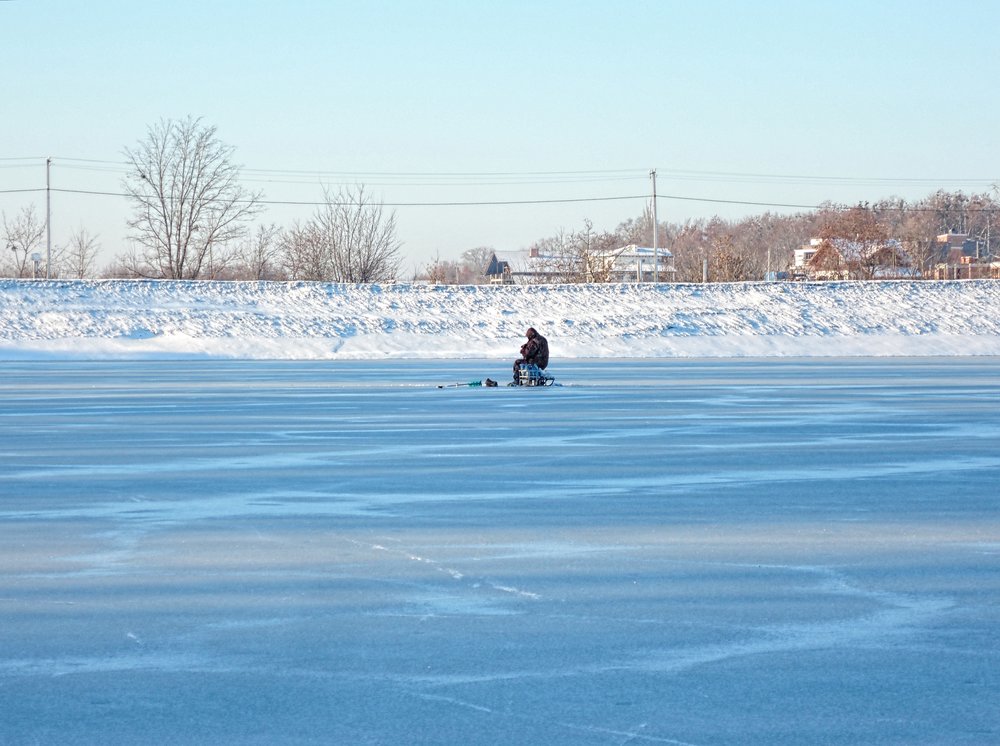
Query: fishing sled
{"points": [[529, 374]]}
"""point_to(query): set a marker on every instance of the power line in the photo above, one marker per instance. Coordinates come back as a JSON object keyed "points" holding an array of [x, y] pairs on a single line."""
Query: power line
{"points": [[446, 174], [499, 181], [501, 203], [803, 178], [316, 203], [522, 178], [570, 176]]}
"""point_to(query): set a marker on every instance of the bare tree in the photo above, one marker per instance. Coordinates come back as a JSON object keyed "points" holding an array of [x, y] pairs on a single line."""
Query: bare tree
{"points": [[558, 258], [258, 257], [443, 272], [79, 257], [306, 253], [470, 269], [917, 230], [691, 245], [855, 240], [23, 236], [729, 263], [639, 231], [576, 256], [349, 239], [188, 204], [367, 249], [120, 267], [474, 264]]}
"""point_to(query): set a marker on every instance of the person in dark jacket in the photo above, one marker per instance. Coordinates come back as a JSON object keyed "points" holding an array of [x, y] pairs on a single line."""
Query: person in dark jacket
{"points": [[535, 350]]}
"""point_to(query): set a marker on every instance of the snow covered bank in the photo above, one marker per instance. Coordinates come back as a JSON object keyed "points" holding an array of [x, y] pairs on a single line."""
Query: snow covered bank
{"points": [[95, 319]]}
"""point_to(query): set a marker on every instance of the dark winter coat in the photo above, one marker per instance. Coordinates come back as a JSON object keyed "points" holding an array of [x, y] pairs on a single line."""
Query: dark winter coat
{"points": [[536, 350]]}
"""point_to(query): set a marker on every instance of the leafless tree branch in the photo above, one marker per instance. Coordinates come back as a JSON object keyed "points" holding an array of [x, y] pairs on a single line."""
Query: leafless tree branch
{"points": [[188, 204]]}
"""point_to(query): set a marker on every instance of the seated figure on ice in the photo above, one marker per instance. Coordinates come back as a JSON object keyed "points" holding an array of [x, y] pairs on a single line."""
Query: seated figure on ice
{"points": [[533, 352]]}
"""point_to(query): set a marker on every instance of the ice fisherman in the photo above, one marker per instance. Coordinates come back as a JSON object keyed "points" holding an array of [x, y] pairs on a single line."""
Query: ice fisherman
{"points": [[535, 350]]}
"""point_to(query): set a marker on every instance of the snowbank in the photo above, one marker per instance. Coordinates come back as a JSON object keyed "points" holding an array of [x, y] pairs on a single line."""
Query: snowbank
{"points": [[264, 320]]}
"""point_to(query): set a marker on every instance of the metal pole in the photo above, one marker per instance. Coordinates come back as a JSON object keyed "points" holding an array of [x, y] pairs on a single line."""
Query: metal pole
{"points": [[656, 252], [989, 250], [48, 218]]}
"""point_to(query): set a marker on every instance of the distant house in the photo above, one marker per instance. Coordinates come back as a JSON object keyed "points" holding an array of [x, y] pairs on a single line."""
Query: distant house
{"points": [[804, 255], [843, 259], [954, 247], [625, 264], [958, 256], [630, 264], [499, 271], [510, 267]]}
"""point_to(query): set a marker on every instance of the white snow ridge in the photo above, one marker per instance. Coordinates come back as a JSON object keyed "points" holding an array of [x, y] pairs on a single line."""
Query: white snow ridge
{"points": [[278, 320]]}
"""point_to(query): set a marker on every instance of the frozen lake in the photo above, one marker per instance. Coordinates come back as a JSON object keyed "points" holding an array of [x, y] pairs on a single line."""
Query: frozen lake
{"points": [[659, 551]]}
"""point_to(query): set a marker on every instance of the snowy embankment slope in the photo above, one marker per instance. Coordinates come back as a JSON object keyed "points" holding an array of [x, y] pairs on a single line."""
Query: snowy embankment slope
{"points": [[271, 320]]}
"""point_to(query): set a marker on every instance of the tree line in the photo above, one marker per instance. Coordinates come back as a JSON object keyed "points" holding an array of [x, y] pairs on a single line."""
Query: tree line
{"points": [[191, 218], [750, 248]]}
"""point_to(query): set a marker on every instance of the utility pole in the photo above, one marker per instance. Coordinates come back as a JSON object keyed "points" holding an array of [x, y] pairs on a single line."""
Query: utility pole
{"points": [[48, 218], [656, 252], [989, 249]]}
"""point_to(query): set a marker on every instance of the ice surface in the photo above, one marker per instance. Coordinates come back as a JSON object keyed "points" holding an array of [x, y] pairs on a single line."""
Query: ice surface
{"points": [[658, 551]]}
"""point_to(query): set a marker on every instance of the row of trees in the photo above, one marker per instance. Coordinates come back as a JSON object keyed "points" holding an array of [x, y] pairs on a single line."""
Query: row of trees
{"points": [[24, 237], [191, 218], [749, 248]]}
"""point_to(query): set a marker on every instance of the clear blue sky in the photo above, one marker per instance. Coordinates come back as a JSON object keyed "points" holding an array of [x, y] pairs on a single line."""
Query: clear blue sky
{"points": [[786, 103]]}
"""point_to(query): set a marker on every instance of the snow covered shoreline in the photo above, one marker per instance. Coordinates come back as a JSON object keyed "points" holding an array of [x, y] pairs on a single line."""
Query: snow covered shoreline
{"points": [[276, 320]]}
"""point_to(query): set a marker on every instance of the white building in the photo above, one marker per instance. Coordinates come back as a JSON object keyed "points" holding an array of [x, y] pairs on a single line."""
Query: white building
{"points": [[625, 264], [804, 254], [631, 264]]}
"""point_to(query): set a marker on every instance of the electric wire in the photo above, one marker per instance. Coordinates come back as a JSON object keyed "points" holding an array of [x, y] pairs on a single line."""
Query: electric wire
{"points": [[501, 203], [518, 177], [452, 179]]}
